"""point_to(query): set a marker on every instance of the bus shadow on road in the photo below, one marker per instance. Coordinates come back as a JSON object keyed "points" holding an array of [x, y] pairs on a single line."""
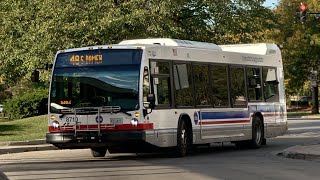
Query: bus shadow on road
{"points": [[169, 153]]}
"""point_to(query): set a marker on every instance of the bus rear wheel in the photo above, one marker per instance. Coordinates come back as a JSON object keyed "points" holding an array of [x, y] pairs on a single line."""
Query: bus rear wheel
{"points": [[257, 133], [98, 151]]}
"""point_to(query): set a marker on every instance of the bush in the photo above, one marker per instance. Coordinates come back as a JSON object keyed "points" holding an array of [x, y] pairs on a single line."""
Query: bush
{"points": [[28, 104]]}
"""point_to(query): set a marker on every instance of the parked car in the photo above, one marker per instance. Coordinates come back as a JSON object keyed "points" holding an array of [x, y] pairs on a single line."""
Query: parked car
{"points": [[304, 101], [1, 108], [300, 101]]}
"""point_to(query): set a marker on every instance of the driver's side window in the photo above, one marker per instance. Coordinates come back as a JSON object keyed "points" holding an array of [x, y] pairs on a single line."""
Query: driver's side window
{"points": [[146, 84]]}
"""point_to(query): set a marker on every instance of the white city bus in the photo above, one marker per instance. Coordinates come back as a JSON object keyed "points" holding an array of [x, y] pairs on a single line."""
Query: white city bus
{"points": [[144, 94]]}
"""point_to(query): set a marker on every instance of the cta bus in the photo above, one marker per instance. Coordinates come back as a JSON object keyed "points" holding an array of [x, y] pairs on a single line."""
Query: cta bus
{"points": [[141, 95]]}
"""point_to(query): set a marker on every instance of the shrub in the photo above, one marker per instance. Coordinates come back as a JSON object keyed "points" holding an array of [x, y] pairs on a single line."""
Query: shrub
{"points": [[28, 104]]}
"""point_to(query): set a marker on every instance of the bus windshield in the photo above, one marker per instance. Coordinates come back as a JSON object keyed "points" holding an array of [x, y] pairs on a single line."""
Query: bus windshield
{"points": [[112, 84]]}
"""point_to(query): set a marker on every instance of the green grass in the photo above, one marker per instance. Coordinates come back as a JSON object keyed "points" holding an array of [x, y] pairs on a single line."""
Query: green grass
{"points": [[298, 113], [24, 129], [301, 113]]}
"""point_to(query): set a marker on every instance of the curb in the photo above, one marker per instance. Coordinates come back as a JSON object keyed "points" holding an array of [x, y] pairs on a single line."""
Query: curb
{"points": [[302, 156], [23, 143], [309, 152], [27, 148]]}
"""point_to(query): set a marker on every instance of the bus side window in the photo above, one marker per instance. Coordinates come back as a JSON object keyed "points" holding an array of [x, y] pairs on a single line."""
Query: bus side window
{"points": [[201, 83], [270, 84], [254, 84], [238, 93], [183, 84], [161, 83], [219, 83]]}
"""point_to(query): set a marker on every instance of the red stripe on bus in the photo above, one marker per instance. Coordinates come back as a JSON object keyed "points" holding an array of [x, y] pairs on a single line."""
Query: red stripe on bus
{"points": [[103, 127], [225, 122]]}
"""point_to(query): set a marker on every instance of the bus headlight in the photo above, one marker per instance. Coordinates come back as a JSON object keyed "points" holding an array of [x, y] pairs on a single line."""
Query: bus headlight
{"points": [[55, 124], [134, 122]]}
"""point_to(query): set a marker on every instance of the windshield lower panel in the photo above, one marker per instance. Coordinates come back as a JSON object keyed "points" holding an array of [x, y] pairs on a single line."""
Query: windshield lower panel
{"points": [[95, 86]]}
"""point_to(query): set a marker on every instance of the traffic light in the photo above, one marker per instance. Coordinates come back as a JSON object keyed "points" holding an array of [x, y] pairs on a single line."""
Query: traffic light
{"points": [[303, 13]]}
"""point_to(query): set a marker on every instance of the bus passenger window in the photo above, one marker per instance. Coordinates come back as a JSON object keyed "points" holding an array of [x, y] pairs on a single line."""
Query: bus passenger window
{"points": [[270, 85], [201, 82], [219, 83], [238, 93], [183, 84], [254, 84]]}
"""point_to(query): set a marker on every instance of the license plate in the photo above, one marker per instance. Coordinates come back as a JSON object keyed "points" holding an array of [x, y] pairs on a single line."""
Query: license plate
{"points": [[116, 120]]}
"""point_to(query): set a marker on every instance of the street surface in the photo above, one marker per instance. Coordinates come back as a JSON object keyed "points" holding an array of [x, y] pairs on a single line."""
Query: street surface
{"points": [[217, 162]]}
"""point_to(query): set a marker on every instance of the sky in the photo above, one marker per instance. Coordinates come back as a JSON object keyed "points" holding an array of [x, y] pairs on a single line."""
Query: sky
{"points": [[271, 3]]}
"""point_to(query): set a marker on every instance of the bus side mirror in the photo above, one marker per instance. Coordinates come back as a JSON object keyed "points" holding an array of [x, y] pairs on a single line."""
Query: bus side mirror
{"points": [[35, 76], [151, 99]]}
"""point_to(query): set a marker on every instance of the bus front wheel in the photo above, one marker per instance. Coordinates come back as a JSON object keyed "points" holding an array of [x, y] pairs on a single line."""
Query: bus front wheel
{"points": [[98, 151], [184, 141]]}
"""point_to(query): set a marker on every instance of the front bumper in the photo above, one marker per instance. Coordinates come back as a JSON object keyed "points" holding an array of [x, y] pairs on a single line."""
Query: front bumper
{"points": [[88, 139]]}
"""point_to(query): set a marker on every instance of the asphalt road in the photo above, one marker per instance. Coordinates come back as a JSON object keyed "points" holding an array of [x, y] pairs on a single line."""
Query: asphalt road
{"points": [[217, 162]]}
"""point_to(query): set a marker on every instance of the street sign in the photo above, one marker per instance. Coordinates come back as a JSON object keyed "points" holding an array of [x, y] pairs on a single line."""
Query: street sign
{"points": [[313, 83]]}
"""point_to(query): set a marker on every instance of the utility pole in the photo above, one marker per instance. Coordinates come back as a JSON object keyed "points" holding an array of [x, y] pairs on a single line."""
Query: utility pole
{"points": [[315, 91]]}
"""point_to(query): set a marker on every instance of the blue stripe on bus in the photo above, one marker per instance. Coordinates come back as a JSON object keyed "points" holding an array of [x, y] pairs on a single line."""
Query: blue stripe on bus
{"points": [[240, 114], [224, 115]]}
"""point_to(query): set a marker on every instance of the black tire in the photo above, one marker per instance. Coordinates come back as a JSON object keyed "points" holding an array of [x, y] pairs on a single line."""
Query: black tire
{"points": [[184, 140], [98, 151], [257, 133]]}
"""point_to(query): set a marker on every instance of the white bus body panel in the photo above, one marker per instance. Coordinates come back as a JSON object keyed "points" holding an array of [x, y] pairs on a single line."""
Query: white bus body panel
{"points": [[204, 127], [166, 120]]}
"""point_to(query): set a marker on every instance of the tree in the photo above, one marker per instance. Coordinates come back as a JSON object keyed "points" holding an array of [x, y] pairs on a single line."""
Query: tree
{"points": [[32, 31], [300, 42]]}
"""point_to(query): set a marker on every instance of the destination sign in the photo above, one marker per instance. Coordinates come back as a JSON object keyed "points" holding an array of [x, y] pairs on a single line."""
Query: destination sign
{"points": [[86, 59], [64, 102], [99, 57]]}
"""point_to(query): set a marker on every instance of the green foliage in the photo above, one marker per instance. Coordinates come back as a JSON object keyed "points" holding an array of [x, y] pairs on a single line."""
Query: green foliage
{"points": [[28, 104], [32, 31]]}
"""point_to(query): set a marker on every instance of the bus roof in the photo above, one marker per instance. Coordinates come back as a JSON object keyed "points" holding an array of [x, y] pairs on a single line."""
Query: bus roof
{"points": [[259, 48], [171, 42]]}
